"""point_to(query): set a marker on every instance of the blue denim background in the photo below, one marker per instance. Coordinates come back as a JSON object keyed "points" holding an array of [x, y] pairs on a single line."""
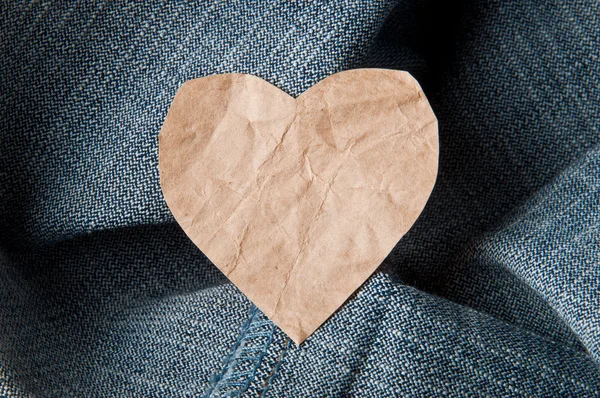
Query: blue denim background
{"points": [[495, 290]]}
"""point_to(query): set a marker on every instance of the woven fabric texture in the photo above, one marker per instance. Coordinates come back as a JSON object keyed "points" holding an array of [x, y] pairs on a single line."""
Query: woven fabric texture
{"points": [[494, 291]]}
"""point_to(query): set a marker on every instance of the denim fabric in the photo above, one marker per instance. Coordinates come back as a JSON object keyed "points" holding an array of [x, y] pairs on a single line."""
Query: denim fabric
{"points": [[494, 291]]}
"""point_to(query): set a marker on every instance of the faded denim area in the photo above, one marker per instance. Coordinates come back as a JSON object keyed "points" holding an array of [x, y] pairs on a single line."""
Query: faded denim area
{"points": [[494, 291]]}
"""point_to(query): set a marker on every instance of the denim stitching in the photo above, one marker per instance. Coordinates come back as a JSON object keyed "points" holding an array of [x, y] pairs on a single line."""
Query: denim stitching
{"points": [[244, 330], [276, 368], [246, 357], [263, 352]]}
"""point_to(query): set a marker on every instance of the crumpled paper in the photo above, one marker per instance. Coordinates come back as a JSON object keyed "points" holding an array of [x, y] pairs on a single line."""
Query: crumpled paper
{"points": [[298, 201]]}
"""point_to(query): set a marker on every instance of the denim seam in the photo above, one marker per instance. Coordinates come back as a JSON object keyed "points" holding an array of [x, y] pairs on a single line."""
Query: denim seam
{"points": [[276, 367], [257, 364], [229, 358], [247, 355]]}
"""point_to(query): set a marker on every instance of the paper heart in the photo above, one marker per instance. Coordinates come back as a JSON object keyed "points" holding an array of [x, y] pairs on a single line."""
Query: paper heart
{"points": [[298, 201]]}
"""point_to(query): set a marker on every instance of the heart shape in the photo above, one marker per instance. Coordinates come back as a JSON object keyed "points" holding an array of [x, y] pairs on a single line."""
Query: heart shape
{"points": [[298, 201]]}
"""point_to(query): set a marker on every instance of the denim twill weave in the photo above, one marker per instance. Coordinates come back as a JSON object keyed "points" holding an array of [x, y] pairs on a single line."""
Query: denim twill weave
{"points": [[494, 291]]}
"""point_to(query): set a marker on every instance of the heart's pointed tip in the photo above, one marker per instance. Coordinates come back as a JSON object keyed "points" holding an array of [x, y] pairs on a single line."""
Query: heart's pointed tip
{"points": [[297, 336], [298, 340]]}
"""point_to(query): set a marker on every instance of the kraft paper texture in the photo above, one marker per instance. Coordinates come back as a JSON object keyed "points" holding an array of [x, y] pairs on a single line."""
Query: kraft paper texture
{"points": [[298, 201]]}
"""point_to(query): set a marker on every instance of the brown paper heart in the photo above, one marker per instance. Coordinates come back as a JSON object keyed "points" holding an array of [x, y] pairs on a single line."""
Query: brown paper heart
{"points": [[298, 201]]}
